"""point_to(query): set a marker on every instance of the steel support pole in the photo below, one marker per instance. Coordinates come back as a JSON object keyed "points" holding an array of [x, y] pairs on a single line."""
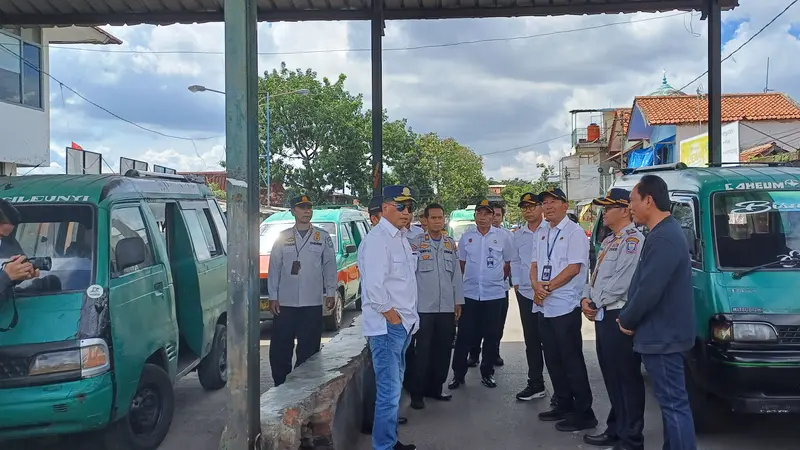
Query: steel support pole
{"points": [[268, 151], [242, 143], [377, 97], [714, 82]]}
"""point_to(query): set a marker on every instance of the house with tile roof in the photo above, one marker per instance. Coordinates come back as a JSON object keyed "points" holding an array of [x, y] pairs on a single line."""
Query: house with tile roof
{"points": [[659, 123]]}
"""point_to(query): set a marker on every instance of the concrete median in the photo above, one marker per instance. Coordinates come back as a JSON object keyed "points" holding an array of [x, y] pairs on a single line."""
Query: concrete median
{"points": [[321, 404]]}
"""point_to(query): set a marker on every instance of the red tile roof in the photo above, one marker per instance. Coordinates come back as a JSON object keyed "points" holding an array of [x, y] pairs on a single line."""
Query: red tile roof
{"points": [[759, 150], [623, 114], [676, 110]]}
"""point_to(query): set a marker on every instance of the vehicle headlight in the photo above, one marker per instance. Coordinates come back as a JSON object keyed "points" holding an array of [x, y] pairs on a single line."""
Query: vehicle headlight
{"points": [[92, 358], [744, 332]]}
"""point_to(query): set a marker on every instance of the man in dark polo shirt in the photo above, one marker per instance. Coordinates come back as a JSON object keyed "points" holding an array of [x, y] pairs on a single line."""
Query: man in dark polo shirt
{"points": [[659, 313]]}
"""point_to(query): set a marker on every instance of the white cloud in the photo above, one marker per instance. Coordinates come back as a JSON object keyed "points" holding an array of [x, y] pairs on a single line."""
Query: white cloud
{"points": [[490, 96]]}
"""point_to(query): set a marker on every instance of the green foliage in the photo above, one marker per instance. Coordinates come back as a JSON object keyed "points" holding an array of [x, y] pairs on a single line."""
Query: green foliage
{"points": [[216, 191], [516, 187]]}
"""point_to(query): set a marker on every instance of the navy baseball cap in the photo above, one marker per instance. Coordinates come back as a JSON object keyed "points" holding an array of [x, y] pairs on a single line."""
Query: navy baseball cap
{"points": [[528, 198], [615, 197], [398, 193], [553, 192], [301, 200], [374, 206], [484, 204]]}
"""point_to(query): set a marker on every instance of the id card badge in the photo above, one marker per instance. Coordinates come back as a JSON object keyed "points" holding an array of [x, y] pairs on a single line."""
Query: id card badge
{"points": [[295, 267], [490, 262], [547, 272]]}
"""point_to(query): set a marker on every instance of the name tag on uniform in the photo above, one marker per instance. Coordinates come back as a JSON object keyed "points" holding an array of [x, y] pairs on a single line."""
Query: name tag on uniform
{"points": [[295, 267], [547, 272]]}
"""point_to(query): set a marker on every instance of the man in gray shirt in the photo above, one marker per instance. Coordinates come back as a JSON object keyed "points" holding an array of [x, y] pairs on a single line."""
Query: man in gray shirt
{"points": [[440, 296], [302, 268]]}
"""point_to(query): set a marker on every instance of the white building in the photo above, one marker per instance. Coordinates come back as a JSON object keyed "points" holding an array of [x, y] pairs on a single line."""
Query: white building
{"points": [[25, 88]]}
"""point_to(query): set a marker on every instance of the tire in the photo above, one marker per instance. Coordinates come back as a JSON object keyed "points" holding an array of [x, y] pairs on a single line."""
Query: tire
{"points": [[358, 300], [708, 412], [333, 321], [213, 369], [136, 431]]}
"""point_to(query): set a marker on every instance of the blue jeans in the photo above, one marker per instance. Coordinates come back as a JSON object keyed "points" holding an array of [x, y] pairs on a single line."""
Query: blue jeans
{"points": [[388, 359], [669, 383]]}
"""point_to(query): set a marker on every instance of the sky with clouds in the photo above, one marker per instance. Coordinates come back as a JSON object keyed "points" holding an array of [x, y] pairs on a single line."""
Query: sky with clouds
{"points": [[506, 94]]}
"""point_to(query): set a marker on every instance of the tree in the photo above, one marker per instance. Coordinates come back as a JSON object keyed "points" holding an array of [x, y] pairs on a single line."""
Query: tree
{"points": [[516, 187]]}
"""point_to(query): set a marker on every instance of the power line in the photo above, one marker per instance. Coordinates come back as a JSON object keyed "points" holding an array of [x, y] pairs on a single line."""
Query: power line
{"points": [[348, 50], [769, 136], [104, 109], [745, 42], [525, 146]]}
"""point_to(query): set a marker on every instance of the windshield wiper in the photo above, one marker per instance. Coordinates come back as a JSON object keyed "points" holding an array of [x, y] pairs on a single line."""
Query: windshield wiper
{"points": [[789, 262]]}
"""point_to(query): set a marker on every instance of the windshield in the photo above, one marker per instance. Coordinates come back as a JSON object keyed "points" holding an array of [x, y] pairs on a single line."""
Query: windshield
{"points": [[269, 233], [66, 234], [756, 228], [459, 228]]}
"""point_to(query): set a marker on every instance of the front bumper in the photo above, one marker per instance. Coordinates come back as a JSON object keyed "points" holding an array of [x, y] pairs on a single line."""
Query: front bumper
{"points": [[53, 409], [755, 380]]}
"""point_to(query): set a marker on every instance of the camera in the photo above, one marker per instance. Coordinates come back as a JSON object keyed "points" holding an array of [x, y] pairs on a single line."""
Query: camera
{"points": [[44, 263]]}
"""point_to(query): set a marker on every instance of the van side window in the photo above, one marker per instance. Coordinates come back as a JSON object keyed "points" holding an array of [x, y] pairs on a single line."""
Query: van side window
{"points": [[357, 236], [362, 229], [219, 221], [127, 222], [204, 238], [347, 238], [684, 214]]}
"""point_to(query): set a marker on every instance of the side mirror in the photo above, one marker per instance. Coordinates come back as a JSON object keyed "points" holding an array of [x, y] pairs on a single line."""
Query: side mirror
{"points": [[350, 249], [130, 252]]}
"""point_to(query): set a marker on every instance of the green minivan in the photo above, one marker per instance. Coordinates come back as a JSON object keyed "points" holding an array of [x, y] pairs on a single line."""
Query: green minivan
{"points": [[347, 226], [135, 299], [742, 224]]}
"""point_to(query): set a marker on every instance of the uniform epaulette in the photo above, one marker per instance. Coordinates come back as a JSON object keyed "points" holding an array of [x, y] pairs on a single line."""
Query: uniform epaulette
{"points": [[632, 231]]}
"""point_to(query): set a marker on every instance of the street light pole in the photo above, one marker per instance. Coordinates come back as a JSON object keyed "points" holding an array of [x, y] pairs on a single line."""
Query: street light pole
{"points": [[268, 151]]}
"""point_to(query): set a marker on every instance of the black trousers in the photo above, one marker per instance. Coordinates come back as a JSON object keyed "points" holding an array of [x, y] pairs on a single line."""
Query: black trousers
{"points": [[432, 351], [475, 351], [622, 374], [478, 317], [563, 354], [303, 323], [533, 341]]}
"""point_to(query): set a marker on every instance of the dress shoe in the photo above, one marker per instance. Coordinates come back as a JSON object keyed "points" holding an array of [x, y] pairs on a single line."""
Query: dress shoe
{"points": [[553, 402], [442, 397], [574, 422], [488, 381], [472, 362], [499, 361], [402, 420], [600, 440], [400, 446], [456, 383], [417, 403], [554, 415]]}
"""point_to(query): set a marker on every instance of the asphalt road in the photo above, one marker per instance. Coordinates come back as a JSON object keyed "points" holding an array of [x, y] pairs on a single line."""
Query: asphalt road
{"points": [[479, 418], [199, 417]]}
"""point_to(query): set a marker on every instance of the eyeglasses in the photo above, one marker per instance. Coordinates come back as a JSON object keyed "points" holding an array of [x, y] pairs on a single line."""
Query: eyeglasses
{"points": [[529, 207], [402, 207]]}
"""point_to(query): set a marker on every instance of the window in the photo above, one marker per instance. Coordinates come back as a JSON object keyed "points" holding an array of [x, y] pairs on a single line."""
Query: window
{"points": [[347, 239], [363, 229], [210, 232], [219, 221], [205, 241], [684, 214], [128, 222], [20, 71], [31, 77], [356, 233]]}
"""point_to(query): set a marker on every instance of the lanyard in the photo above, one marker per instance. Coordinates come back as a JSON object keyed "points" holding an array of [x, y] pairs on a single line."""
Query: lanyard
{"points": [[308, 236], [550, 249], [600, 259]]}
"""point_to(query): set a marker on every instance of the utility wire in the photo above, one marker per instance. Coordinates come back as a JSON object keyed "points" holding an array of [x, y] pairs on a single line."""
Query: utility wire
{"points": [[104, 109], [525, 146], [396, 49], [745, 42], [769, 136]]}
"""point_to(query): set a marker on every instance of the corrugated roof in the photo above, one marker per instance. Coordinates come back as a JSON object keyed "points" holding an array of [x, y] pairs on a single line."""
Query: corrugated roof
{"points": [[676, 110], [131, 12]]}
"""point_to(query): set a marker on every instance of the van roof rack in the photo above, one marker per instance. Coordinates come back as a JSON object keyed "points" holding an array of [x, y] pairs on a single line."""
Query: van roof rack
{"points": [[133, 173], [656, 168], [752, 163], [324, 206]]}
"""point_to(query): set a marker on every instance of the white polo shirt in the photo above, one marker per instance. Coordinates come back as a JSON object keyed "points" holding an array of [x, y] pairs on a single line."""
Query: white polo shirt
{"points": [[568, 245], [510, 236], [485, 257], [524, 245]]}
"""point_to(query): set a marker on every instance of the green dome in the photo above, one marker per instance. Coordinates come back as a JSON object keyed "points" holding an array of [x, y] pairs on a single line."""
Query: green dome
{"points": [[666, 89]]}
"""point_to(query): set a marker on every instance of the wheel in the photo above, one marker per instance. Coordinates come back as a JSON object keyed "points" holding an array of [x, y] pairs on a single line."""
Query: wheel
{"points": [[334, 321], [709, 414], [149, 414], [358, 300], [213, 369]]}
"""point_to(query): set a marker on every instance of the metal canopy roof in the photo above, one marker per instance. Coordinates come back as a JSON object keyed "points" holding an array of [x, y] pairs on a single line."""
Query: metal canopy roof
{"points": [[132, 12]]}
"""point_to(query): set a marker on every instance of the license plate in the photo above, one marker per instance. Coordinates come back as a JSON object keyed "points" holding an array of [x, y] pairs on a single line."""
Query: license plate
{"points": [[264, 305]]}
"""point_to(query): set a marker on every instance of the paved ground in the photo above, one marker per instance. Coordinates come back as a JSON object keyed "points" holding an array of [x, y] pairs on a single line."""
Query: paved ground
{"points": [[200, 416], [480, 418]]}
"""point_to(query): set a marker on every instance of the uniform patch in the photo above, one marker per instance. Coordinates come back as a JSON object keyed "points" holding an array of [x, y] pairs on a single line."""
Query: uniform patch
{"points": [[413, 247], [542, 237], [427, 256], [329, 241], [495, 241], [561, 238], [632, 231], [316, 236], [447, 245], [290, 241], [631, 244], [470, 240], [424, 246]]}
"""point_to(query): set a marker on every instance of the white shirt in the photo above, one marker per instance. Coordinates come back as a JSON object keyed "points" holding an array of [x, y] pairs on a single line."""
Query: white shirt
{"points": [[510, 236], [388, 279], [524, 244], [568, 245], [485, 258]]}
